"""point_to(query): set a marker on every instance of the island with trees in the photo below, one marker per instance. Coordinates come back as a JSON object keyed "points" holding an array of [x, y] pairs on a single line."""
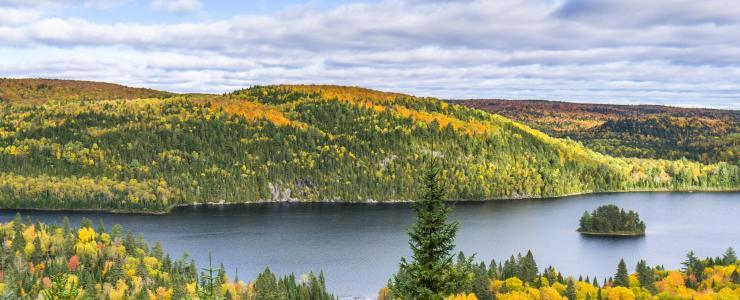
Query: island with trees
{"points": [[610, 220]]}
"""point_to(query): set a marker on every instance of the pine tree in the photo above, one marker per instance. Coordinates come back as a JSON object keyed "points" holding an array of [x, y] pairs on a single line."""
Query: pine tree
{"points": [[209, 287], [528, 268], [622, 277], [481, 281], [570, 290], [61, 289], [18, 241], [645, 276], [729, 257], [430, 272]]}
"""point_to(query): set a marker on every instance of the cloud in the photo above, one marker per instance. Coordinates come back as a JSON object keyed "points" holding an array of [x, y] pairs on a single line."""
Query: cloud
{"points": [[15, 16], [177, 6], [651, 13], [576, 50]]}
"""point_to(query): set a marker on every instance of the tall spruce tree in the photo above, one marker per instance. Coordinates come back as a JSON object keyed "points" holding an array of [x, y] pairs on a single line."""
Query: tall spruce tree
{"points": [[730, 257], [430, 274], [528, 267], [570, 290], [645, 276], [622, 277]]}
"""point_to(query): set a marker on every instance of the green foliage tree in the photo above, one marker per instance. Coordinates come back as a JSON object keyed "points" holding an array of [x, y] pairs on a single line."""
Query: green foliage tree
{"points": [[729, 257], [430, 273], [622, 277], [646, 276], [61, 289], [570, 290]]}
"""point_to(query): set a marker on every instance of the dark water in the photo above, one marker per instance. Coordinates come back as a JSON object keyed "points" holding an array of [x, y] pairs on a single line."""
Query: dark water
{"points": [[358, 245]]}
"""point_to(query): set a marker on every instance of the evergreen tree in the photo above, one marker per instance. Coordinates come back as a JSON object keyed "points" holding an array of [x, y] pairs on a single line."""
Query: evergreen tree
{"points": [[693, 268], [209, 288], [430, 274], [19, 242], [480, 282], [61, 289], [570, 290], [622, 277], [528, 268], [645, 276], [729, 257]]}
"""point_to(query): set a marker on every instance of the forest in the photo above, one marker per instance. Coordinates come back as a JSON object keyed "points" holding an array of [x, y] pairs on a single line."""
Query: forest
{"points": [[640, 131], [295, 143], [43, 261], [611, 220]]}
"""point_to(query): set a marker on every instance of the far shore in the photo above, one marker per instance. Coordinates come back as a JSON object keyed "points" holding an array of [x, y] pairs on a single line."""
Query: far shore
{"points": [[369, 201]]}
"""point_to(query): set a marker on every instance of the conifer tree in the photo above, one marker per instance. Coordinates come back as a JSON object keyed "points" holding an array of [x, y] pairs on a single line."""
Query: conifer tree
{"points": [[570, 290], [645, 276], [622, 277], [528, 267], [730, 257], [430, 273]]}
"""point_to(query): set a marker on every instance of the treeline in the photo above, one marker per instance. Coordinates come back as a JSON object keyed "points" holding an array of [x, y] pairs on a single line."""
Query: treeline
{"points": [[38, 91], [611, 219], [302, 143], [640, 131], [519, 278], [42, 261]]}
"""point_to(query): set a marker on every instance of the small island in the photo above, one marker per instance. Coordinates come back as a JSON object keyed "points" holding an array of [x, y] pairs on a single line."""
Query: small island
{"points": [[610, 220]]}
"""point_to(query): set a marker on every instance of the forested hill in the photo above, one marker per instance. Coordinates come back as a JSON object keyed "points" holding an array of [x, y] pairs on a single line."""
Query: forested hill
{"points": [[35, 91], [308, 143], [642, 131]]}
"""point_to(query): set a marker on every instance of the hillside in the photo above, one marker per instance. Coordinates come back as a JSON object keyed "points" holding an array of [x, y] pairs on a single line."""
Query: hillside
{"points": [[35, 91], [308, 143], [643, 131]]}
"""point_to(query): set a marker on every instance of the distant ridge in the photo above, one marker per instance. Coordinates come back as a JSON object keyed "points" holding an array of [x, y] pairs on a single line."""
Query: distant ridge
{"points": [[646, 131], [37, 90]]}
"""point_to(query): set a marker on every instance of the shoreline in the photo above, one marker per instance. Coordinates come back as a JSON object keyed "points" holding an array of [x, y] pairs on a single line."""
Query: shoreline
{"points": [[611, 234], [369, 201]]}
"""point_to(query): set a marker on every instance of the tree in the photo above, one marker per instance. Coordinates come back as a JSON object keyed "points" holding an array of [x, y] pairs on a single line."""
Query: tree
{"points": [[209, 288], [430, 273], [645, 276], [693, 268], [528, 267], [61, 289], [481, 282], [570, 290], [729, 257], [622, 277]]}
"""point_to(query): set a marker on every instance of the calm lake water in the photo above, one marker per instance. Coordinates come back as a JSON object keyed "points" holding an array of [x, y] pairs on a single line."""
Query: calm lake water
{"points": [[358, 246]]}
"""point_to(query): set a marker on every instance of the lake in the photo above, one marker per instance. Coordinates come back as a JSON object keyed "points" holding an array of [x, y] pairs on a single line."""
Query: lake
{"points": [[358, 246]]}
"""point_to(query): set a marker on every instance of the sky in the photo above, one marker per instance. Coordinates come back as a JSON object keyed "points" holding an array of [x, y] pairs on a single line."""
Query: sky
{"points": [[672, 52]]}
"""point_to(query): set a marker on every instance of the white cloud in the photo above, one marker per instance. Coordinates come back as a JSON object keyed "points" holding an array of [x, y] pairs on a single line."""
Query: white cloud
{"points": [[542, 49], [15, 16], [177, 6]]}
